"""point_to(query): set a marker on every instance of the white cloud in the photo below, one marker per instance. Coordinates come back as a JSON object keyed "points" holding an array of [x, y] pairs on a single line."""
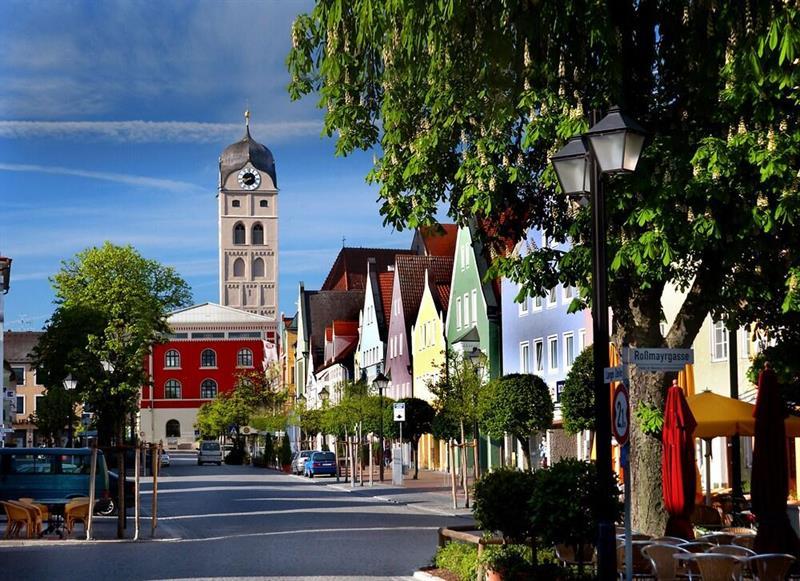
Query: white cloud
{"points": [[134, 180], [153, 131]]}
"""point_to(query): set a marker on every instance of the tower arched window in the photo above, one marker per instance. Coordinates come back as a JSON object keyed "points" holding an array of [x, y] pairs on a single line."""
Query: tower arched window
{"points": [[208, 389], [173, 429], [238, 234], [263, 204], [172, 389], [238, 267], [172, 358], [258, 267], [258, 234], [208, 358], [244, 358]]}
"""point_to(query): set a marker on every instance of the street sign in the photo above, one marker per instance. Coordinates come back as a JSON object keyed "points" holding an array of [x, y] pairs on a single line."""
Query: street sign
{"points": [[399, 412], [620, 415], [614, 374], [657, 359]]}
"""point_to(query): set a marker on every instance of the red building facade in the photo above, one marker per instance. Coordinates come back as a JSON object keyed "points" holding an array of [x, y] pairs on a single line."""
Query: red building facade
{"points": [[209, 347]]}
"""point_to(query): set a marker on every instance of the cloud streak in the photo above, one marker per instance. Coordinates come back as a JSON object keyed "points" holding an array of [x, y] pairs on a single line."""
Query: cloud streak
{"points": [[139, 131], [129, 179]]}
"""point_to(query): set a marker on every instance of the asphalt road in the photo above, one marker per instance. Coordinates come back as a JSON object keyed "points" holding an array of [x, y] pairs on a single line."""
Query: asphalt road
{"points": [[232, 522]]}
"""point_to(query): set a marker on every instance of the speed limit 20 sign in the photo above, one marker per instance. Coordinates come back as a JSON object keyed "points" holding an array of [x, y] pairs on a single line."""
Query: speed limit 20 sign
{"points": [[620, 415]]}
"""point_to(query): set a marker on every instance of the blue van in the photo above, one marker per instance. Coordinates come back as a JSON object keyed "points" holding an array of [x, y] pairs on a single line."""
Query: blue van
{"points": [[50, 473]]}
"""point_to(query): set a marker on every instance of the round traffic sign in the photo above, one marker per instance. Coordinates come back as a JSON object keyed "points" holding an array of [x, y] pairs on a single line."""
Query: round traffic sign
{"points": [[620, 415]]}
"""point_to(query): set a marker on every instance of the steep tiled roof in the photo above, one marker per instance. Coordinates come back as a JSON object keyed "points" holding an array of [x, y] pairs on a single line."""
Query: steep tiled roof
{"points": [[386, 287], [345, 328], [349, 271], [411, 273], [440, 239], [324, 307], [18, 345], [441, 296]]}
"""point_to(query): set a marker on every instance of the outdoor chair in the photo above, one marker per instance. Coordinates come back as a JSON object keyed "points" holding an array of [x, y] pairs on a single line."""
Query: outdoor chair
{"points": [[665, 567], [16, 518], [719, 538], [45, 514], [636, 537], [568, 555], [76, 510], [734, 550], [669, 540], [738, 530], [744, 541], [770, 566], [33, 522], [642, 568], [716, 567]]}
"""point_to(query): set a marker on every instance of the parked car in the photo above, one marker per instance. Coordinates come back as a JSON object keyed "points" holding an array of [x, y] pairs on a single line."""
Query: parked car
{"points": [[210, 452], [320, 463], [41, 473], [109, 505], [299, 460], [164, 458]]}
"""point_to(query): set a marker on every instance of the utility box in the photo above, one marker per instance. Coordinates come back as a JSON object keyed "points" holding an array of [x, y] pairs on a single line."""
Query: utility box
{"points": [[397, 466]]}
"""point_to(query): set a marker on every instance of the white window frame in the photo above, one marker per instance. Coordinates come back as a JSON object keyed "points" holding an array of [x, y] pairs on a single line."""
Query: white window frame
{"points": [[465, 304], [524, 307], [540, 306], [581, 340], [724, 344], [538, 358], [474, 307], [552, 297], [458, 312], [524, 356], [36, 399], [552, 351], [569, 354]]}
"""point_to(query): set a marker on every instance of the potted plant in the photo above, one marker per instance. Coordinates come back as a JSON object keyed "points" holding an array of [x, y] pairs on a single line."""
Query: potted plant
{"points": [[502, 504], [506, 563], [285, 455]]}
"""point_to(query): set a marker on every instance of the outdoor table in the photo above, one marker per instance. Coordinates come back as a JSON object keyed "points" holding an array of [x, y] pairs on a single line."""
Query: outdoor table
{"points": [[55, 508]]}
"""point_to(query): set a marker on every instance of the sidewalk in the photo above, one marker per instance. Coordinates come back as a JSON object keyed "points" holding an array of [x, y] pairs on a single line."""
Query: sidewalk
{"points": [[431, 492]]}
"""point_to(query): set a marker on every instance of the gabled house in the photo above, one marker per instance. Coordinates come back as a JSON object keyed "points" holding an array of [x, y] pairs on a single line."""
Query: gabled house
{"points": [[408, 287], [428, 343], [288, 345], [374, 322], [317, 310], [473, 317], [341, 339], [541, 337]]}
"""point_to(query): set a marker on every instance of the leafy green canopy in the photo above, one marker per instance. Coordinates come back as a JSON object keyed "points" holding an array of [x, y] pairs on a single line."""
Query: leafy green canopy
{"points": [[518, 404], [577, 399], [464, 101], [111, 307]]}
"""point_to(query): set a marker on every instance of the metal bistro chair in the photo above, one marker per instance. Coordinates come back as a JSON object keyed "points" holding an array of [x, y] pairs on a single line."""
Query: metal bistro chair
{"points": [[568, 555], [719, 538], [642, 567], [744, 541], [736, 551], [697, 546], [665, 567], [716, 567], [669, 540], [770, 566]]}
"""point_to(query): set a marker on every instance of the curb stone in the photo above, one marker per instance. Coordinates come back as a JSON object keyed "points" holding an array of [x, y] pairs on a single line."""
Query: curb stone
{"points": [[423, 576]]}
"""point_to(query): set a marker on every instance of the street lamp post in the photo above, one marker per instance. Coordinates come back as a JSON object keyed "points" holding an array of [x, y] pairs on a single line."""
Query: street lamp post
{"points": [[69, 384], [301, 401], [381, 382], [614, 146]]}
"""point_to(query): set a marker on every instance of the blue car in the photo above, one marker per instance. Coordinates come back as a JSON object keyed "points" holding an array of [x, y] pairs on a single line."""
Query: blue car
{"points": [[320, 463]]}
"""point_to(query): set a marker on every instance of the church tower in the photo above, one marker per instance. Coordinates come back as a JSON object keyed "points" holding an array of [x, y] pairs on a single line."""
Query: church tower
{"points": [[248, 227]]}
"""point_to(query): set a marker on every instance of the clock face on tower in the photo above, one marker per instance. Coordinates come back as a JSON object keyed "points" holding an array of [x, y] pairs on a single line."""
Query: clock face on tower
{"points": [[249, 179]]}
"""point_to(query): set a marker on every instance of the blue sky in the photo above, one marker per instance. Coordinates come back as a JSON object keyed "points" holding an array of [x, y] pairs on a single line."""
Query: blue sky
{"points": [[112, 117]]}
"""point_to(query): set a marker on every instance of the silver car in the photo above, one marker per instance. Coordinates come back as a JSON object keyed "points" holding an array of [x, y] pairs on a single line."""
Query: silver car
{"points": [[299, 460]]}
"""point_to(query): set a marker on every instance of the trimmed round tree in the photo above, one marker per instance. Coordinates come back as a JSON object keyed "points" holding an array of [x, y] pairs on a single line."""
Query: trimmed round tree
{"points": [[518, 404], [419, 421], [577, 399]]}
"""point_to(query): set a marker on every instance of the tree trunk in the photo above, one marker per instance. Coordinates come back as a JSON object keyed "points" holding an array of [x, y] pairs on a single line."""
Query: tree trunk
{"points": [[526, 452], [464, 465], [648, 514], [415, 449]]}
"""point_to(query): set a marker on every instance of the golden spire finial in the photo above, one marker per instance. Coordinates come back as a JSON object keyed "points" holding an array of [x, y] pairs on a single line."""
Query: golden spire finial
{"points": [[247, 118]]}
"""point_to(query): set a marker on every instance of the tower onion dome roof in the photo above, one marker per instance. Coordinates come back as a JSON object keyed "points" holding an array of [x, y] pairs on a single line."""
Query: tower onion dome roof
{"points": [[247, 149]]}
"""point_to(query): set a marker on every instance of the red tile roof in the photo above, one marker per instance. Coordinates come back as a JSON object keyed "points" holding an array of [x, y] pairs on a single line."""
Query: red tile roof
{"points": [[386, 287], [440, 239], [345, 328], [441, 296], [411, 273], [349, 271]]}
